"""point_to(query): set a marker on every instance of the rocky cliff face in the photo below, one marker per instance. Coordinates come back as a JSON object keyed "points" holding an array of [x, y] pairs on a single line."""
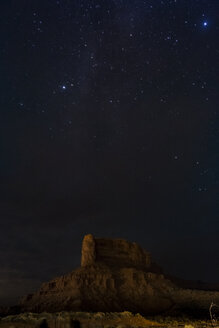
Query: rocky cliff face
{"points": [[99, 288], [115, 275], [117, 253]]}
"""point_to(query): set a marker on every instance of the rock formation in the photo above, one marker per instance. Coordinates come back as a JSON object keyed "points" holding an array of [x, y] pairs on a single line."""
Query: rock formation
{"points": [[117, 253], [115, 275]]}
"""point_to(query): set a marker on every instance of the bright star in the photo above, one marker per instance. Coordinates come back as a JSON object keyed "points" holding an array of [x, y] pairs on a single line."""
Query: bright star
{"points": [[64, 87], [205, 24]]}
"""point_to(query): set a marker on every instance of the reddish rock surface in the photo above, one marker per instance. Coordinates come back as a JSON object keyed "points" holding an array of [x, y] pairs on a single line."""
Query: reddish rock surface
{"points": [[117, 253], [100, 288]]}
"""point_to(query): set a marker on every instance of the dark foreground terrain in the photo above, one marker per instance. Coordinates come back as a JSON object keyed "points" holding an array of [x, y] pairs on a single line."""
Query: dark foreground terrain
{"points": [[98, 320]]}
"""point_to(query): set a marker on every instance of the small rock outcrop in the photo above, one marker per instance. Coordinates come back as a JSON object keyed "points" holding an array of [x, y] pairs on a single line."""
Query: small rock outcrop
{"points": [[88, 251]]}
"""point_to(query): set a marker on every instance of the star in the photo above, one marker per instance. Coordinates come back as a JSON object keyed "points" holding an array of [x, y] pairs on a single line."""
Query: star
{"points": [[205, 23]]}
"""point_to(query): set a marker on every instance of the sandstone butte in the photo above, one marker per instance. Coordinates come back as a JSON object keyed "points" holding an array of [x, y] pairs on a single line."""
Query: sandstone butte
{"points": [[116, 275]]}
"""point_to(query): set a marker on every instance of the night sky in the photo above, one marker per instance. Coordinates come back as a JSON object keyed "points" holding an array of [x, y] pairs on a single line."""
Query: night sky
{"points": [[108, 125]]}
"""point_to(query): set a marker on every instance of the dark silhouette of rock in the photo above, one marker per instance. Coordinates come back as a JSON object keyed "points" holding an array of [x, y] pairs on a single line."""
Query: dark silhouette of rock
{"points": [[115, 276], [193, 284]]}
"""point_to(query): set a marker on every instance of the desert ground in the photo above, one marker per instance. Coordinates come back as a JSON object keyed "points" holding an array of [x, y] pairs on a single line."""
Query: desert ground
{"points": [[100, 320]]}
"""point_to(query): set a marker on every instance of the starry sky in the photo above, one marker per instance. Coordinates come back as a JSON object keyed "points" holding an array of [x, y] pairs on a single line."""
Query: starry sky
{"points": [[108, 125]]}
